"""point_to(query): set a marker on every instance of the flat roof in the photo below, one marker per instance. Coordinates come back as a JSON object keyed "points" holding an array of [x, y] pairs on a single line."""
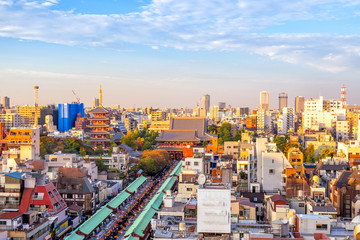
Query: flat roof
{"points": [[313, 216]]}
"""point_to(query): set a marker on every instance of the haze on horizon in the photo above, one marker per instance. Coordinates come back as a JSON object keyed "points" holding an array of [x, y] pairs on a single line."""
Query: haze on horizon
{"points": [[167, 53]]}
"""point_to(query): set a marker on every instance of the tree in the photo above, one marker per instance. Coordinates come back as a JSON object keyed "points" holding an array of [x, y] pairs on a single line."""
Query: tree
{"points": [[99, 150], [243, 175], [147, 146], [309, 153], [129, 140], [327, 152], [100, 164], [82, 151], [237, 136]]}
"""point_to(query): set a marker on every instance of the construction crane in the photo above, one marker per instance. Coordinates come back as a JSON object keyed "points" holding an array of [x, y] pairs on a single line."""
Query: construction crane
{"points": [[77, 98]]}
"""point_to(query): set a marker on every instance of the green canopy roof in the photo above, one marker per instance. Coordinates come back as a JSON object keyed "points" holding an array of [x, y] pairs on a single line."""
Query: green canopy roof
{"points": [[94, 221], [119, 199], [136, 184]]}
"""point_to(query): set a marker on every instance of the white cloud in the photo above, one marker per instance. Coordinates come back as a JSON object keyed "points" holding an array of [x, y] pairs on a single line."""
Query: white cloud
{"points": [[208, 24]]}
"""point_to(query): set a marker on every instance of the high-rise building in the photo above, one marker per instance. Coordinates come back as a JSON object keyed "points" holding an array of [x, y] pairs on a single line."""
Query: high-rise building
{"points": [[28, 115], [6, 102], [206, 102], [214, 113], [282, 101], [222, 105], [95, 102], [299, 104], [264, 100], [288, 119], [68, 114]]}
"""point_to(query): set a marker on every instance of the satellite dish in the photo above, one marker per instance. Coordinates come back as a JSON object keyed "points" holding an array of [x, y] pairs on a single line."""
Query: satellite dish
{"points": [[201, 179]]}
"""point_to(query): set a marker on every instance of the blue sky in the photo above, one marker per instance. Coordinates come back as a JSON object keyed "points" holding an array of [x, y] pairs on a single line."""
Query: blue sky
{"points": [[168, 53]]}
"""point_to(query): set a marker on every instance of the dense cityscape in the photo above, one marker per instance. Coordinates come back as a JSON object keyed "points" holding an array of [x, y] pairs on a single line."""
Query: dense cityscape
{"points": [[70, 171]]}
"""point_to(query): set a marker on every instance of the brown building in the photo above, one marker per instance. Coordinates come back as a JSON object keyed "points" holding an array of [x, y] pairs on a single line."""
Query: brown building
{"points": [[251, 123], [344, 190], [75, 188], [296, 159]]}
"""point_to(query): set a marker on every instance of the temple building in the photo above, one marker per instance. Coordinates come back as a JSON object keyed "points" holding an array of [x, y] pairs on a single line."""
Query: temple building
{"points": [[183, 132], [99, 125]]}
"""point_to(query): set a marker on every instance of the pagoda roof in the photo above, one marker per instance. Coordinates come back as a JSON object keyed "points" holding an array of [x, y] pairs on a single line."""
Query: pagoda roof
{"points": [[98, 132], [98, 110], [99, 125], [99, 118]]}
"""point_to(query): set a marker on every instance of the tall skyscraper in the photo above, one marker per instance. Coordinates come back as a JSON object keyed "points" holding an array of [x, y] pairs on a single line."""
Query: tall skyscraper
{"points": [[68, 114], [282, 101], [6, 102], [299, 104], [206, 102], [264, 100]]}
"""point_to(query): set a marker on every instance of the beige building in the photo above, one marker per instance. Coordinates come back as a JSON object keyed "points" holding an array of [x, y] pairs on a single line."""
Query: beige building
{"points": [[11, 120], [264, 101], [27, 114]]}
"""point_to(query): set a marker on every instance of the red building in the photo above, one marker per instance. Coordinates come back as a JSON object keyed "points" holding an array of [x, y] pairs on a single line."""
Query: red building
{"points": [[42, 198], [3, 134], [81, 123], [99, 133]]}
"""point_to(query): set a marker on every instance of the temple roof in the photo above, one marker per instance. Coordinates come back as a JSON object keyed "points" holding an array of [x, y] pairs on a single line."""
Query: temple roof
{"points": [[98, 110], [178, 135], [186, 123], [190, 129]]}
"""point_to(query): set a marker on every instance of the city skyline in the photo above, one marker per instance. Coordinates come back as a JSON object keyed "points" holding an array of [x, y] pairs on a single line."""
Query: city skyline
{"points": [[151, 52]]}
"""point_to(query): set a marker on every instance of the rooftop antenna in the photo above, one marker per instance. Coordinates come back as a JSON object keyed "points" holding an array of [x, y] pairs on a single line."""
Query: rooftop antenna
{"points": [[343, 95]]}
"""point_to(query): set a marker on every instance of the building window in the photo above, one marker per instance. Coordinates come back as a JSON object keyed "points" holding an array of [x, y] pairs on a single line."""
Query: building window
{"points": [[189, 189], [51, 195], [271, 171], [321, 226], [196, 163], [301, 204], [56, 193]]}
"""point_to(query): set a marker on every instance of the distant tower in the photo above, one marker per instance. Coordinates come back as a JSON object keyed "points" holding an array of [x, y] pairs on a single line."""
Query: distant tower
{"points": [[299, 104], [264, 100], [6, 102], [95, 102], [100, 97], [36, 88], [206, 102], [343, 95], [282, 101]]}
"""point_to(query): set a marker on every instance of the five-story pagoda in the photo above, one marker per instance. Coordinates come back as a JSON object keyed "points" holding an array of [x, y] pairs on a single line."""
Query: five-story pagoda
{"points": [[99, 125]]}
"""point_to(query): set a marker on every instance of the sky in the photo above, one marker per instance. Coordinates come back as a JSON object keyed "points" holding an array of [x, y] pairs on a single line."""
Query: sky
{"points": [[168, 53]]}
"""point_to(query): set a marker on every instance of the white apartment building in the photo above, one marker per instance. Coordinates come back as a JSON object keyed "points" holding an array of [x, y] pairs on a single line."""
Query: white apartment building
{"points": [[196, 162], [267, 168], [342, 130], [288, 119], [215, 202], [56, 160], [322, 105]]}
